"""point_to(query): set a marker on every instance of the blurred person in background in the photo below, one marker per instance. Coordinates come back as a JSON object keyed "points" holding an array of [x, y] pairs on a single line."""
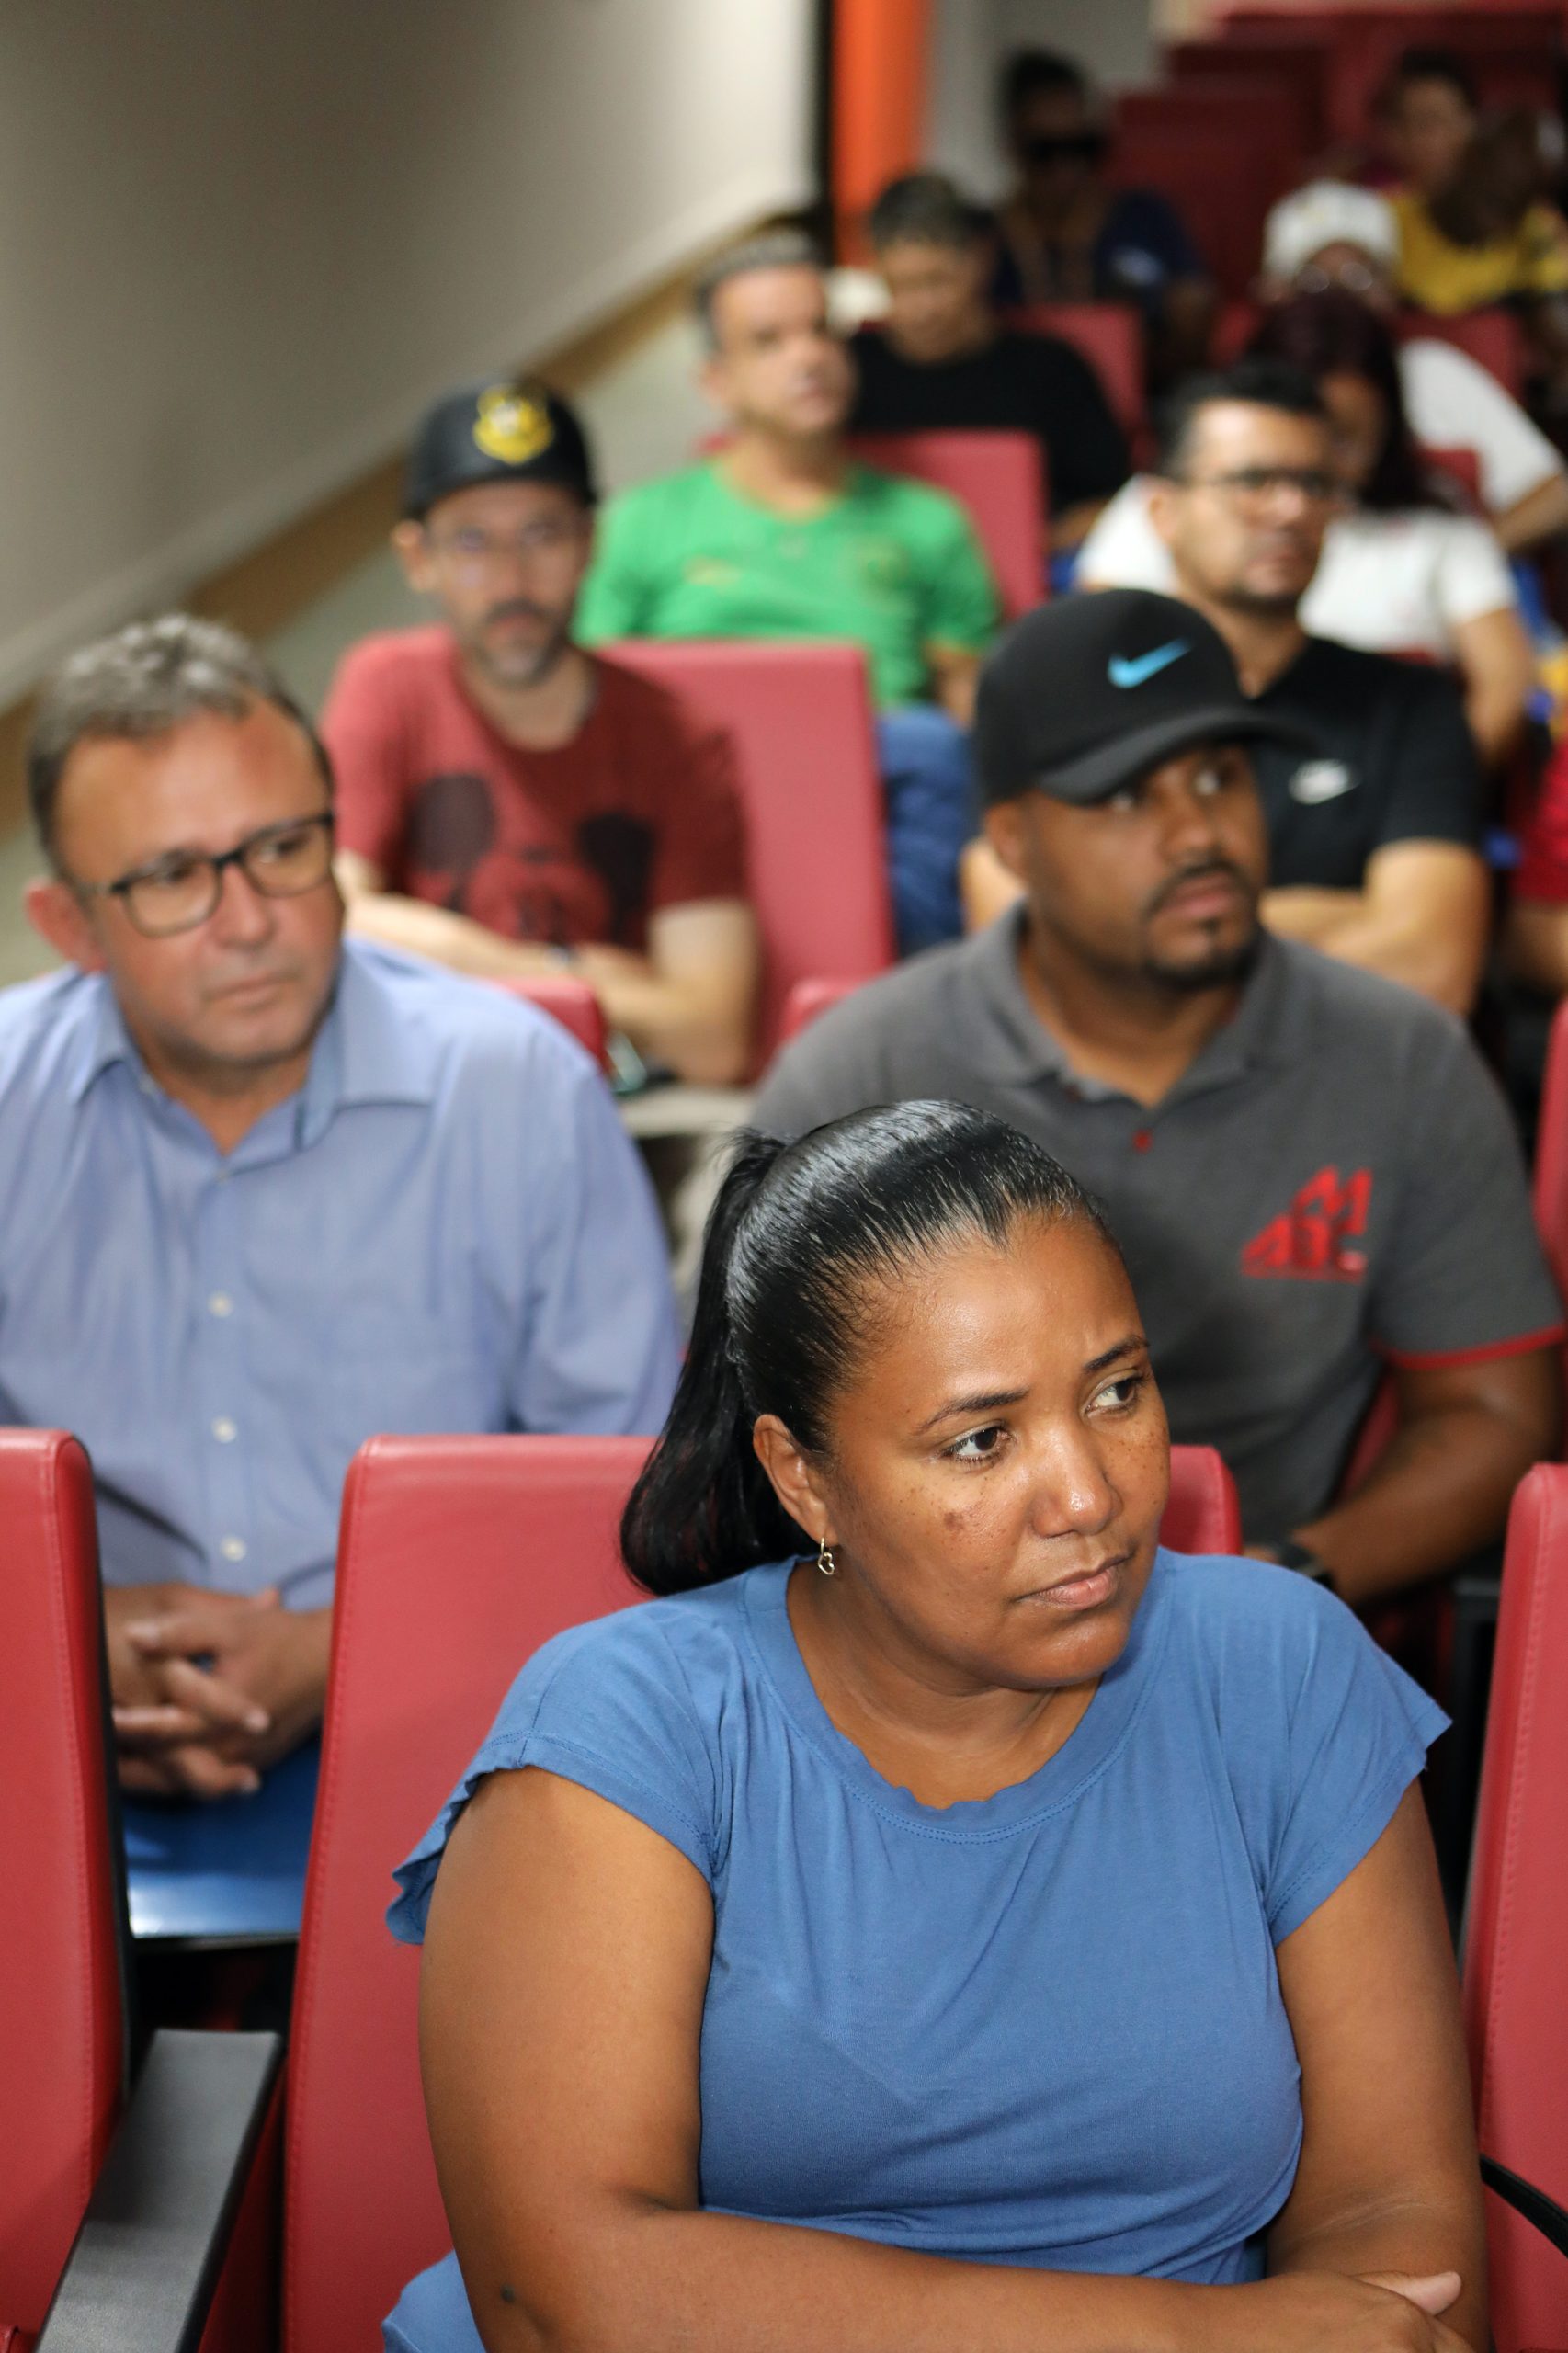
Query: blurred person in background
{"points": [[1373, 810], [1425, 118], [1066, 235], [511, 805], [1400, 571], [783, 534], [939, 358], [271, 1192], [1331, 237]]}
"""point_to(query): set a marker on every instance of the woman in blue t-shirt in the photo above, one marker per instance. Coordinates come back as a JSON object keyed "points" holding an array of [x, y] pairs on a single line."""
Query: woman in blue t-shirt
{"points": [[980, 1932]]}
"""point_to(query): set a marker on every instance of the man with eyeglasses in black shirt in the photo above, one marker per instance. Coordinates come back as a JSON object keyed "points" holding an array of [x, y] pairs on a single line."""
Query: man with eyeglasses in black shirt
{"points": [[1373, 832]]}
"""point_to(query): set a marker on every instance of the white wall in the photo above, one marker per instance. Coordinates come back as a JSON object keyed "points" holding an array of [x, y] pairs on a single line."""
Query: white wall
{"points": [[242, 241], [1112, 39]]}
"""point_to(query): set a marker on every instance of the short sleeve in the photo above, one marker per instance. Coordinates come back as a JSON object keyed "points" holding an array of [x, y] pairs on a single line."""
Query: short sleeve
{"points": [[1356, 1732], [362, 727], [604, 1706], [1461, 1275], [1123, 551], [962, 607], [1472, 575], [615, 599], [1433, 791], [1542, 871], [1454, 403], [1150, 222]]}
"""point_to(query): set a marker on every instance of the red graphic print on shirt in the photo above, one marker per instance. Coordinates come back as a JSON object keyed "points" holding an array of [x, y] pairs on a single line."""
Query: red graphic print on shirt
{"points": [[1315, 1237]]}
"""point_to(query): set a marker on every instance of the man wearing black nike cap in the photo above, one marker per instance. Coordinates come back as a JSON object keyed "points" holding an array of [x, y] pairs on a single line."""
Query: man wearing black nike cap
{"points": [[1312, 1173]]}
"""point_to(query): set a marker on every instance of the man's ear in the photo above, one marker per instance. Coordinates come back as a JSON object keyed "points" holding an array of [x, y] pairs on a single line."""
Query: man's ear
{"points": [[790, 1471], [56, 914], [1161, 509], [413, 551], [1006, 830]]}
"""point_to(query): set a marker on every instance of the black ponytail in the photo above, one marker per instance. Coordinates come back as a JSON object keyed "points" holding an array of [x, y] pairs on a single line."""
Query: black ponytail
{"points": [[800, 1237]]}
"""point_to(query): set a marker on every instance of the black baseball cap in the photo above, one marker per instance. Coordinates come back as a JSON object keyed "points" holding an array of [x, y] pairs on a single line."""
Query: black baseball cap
{"points": [[1085, 694], [504, 429]]}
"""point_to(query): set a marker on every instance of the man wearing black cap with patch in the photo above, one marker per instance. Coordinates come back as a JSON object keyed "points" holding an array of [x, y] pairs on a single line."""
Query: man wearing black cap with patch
{"points": [[1312, 1173], [509, 805]]}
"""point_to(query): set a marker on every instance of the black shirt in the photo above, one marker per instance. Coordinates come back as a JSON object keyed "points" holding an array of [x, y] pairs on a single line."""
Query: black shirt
{"points": [[1396, 763], [1019, 384]]}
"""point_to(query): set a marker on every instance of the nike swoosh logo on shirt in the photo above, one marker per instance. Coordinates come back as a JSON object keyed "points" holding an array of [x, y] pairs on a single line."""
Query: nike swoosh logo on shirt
{"points": [[1133, 670]]}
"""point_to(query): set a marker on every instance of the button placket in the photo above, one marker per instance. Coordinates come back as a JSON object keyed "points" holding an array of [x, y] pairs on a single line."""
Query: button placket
{"points": [[221, 1346]]}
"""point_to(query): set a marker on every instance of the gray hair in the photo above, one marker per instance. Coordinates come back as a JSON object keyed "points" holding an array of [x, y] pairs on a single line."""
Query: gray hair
{"points": [[774, 249], [143, 682]]}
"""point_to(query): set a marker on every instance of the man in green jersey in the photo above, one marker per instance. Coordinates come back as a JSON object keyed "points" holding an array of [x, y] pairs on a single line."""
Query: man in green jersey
{"points": [[784, 534]]}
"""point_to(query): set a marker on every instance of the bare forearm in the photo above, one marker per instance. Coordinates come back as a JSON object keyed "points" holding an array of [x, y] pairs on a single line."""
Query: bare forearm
{"points": [[1495, 709], [1540, 514], [1439, 1493], [681, 1024], [446, 937], [667, 2281], [1443, 961]]}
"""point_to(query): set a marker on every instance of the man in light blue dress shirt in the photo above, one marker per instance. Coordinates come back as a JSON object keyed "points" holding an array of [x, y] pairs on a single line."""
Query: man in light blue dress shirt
{"points": [[264, 1193]]}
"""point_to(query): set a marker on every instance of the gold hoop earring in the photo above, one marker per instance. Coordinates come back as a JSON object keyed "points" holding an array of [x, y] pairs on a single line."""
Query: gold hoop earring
{"points": [[825, 1561]]}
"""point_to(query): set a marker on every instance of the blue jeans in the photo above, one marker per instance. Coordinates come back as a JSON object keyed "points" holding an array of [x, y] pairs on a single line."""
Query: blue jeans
{"points": [[923, 757]]}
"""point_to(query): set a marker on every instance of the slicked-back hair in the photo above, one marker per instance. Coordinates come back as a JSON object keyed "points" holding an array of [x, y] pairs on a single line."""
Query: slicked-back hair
{"points": [[143, 682], [1261, 383], [806, 1242], [925, 208], [774, 249]]}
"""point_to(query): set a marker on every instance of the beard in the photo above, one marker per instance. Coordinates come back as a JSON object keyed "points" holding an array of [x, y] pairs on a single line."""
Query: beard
{"points": [[518, 665], [1221, 968]]}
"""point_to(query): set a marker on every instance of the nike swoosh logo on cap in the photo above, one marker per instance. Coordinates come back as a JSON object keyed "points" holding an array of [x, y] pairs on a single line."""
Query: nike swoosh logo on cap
{"points": [[1133, 669]]}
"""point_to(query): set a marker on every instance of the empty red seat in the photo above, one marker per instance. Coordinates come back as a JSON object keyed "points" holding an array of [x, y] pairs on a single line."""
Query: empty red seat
{"points": [[524, 1528], [800, 718], [1516, 1930]]}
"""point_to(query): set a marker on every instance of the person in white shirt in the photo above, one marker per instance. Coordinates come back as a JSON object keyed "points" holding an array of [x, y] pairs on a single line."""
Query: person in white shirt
{"points": [[1332, 237], [1400, 572]]}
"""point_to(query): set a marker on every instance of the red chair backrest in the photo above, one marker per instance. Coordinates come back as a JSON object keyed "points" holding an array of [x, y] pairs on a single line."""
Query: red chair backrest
{"points": [[999, 479], [801, 719], [1461, 466], [459, 1558], [1516, 1972], [1109, 336], [569, 1001], [62, 2059], [1221, 153]]}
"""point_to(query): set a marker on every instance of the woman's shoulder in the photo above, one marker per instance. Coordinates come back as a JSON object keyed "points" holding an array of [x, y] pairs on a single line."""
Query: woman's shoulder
{"points": [[677, 1650], [1253, 1625]]}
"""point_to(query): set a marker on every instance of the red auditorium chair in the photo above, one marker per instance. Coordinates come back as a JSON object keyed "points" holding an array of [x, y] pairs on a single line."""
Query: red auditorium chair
{"points": [[528, 1525], [999, 477], [1109, 336], [1493, 338], [108, 2223], [569, 1001], [1516, 1974], [800, 718], [1222, 154]]}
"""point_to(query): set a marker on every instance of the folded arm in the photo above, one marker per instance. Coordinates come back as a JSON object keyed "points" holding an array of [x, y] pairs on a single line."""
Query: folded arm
{"points": [[1421, 916], [688, 1003]]}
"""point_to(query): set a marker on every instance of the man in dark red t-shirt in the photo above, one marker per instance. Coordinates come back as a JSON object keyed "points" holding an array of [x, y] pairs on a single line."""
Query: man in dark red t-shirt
{"points": [[510, 804]]}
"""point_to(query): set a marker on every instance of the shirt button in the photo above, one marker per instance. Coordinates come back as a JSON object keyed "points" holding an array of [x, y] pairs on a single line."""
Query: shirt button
{"points": [[220, 1304], [225, 1430], [233, 1548]]}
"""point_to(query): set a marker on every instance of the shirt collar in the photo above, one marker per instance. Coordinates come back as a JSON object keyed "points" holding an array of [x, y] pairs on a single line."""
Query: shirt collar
{"points": [[1015, 1047], [370, 1049]]}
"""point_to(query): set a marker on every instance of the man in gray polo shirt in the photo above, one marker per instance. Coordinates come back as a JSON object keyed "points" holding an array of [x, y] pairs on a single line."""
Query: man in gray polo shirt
{"points": [[1309, 1169]]}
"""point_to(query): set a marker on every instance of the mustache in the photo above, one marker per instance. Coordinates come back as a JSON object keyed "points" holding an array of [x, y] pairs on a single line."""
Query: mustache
{"points": [[1203, 870], [518, 608]]}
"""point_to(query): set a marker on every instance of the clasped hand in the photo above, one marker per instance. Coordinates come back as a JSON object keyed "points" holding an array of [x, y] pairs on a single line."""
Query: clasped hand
{"points": [[209, 1689]]}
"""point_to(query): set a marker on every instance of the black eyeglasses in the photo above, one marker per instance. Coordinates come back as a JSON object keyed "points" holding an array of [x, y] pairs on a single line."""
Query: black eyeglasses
{"points": [[1255, 486], [180, 889]]}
